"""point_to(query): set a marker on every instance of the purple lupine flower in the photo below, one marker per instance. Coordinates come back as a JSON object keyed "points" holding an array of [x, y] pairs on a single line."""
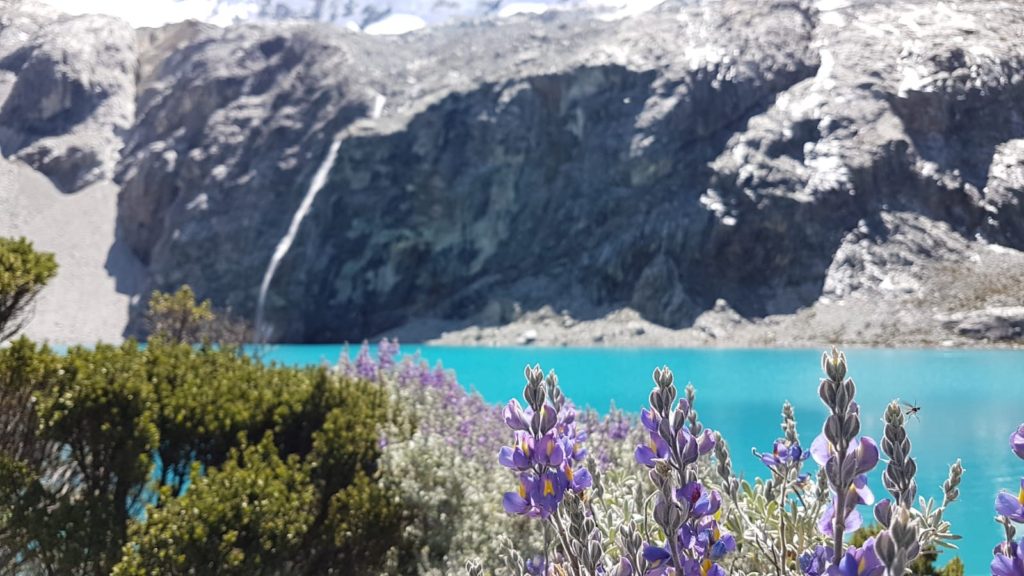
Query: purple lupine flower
{"points": [[519, 502], [815, 563], [1017, 441], [860, 492], [515, 417], [576, 481], [1008, 559], [783, 454], [826, 524], [547, 445], [366, 367], [689, 449], [387, 351], [1011, 506], [713, 570], [705, 442], [701, 501], [649, 419], [861, 561], [659, 559], [548, 451], [517, 457], [655, 449], [723, 546], [548, 492], [536, 566], [865, 449], [705, 540], [535, 496]]}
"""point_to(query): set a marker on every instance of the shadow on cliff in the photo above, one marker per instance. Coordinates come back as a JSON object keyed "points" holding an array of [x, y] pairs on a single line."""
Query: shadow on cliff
{"points": [[130, 278]]}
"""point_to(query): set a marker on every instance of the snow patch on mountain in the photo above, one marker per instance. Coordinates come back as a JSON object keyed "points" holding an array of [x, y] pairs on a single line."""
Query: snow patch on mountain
{"points": [[154, 13], [371, 16], [394, 24]]}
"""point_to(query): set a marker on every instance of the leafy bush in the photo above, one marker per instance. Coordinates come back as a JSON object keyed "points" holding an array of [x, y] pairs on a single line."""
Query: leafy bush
{"points": [[248, 517], [206, 397], [178, 317], [77, 469], [176, 459], [23, 274]]}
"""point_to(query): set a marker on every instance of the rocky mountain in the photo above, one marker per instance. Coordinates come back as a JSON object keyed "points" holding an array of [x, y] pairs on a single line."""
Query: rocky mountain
{"points": [[773, 170]]}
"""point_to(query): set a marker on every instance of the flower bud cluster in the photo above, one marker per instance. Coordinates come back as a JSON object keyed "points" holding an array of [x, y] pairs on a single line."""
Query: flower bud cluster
{"points": [[898, 544], [898, 477], [684, 508], [547, 448], [845, 457]]}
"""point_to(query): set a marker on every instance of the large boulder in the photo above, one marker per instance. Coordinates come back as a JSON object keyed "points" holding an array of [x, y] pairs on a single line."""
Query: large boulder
{"points": [[996, 323], [68, 94]]}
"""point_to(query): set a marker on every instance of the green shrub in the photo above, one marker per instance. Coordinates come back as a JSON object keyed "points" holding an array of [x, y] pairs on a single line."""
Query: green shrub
{"points": [[76, 464], [247, 518], [206, 397], [178, 317], [23, 274], [246, 468]]}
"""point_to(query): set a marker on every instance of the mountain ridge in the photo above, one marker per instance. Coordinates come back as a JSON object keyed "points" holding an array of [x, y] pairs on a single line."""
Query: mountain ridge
{"points": [[724, 170]]}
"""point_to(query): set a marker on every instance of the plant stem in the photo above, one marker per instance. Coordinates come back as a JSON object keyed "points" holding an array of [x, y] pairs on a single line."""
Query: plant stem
{"points": [[677, 559], [782, 518], [840, 519], [564, 537]]}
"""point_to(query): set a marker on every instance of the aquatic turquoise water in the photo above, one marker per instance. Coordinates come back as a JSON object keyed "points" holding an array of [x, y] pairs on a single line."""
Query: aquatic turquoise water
{"points": [[970, 403]]}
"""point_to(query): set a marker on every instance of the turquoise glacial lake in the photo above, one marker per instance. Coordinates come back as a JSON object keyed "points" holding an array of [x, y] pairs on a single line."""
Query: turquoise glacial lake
{"points": [[971, 400]]}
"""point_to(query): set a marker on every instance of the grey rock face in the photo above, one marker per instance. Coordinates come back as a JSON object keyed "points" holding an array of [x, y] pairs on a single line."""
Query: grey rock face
{"points": [[575, 184], [231, 124], [765, 154], [67, 90], [701, 151]]}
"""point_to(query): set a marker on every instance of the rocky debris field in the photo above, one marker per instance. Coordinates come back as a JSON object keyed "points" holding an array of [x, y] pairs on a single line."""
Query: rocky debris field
{"points": [[733, 172]]}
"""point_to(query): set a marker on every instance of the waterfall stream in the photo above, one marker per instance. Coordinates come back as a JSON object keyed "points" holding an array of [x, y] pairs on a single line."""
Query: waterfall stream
{"points": [[263, 332]]}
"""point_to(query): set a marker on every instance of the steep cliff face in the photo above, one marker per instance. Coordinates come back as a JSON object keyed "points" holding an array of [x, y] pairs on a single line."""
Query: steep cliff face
{"points": [[576, 186], [717, 155], [768, 154], [498, 172], [231, 123]]}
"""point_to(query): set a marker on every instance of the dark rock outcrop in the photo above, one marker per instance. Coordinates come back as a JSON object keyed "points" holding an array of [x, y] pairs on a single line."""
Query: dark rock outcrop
{"points": [[1005, 323]]}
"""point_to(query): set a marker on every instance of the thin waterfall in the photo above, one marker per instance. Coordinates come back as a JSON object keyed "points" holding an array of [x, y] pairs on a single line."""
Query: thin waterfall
{"points": [[263, 332]]}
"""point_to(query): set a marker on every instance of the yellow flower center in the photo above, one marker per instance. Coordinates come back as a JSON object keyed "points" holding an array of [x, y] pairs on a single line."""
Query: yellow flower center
{"points": [[549, 488]]}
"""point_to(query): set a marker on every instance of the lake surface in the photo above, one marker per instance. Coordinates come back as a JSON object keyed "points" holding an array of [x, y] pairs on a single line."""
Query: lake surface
{"points": [[970, 403]]}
